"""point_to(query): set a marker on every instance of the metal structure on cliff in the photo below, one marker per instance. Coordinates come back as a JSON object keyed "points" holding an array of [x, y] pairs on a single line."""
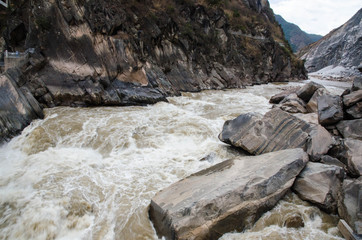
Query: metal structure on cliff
{"points": [[5, 4]]}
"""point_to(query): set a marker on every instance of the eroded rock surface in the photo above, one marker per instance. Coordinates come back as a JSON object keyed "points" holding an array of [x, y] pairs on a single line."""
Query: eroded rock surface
{"points": [[229, 196]]}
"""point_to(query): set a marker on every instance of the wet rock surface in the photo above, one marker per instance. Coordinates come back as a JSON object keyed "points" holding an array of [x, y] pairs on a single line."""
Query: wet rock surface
{"points": [[229, 196]]}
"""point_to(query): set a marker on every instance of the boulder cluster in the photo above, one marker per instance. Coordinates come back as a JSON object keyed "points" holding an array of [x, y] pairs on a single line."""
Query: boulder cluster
{"points": [[309, 143]]}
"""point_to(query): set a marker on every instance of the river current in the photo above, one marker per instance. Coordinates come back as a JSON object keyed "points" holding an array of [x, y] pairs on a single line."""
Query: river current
{"points": [[90, 173]]}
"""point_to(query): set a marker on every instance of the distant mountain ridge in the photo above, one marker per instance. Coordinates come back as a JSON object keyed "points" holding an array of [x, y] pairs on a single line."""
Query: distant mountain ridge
{"points": [[296, 37], [341, 47]]}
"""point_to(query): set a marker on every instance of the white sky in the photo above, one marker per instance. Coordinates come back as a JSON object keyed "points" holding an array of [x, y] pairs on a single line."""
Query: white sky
{"points": [[316, 16]]}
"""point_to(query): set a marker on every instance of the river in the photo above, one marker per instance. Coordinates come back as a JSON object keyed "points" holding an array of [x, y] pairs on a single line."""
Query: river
{"points": [[90, 173]]}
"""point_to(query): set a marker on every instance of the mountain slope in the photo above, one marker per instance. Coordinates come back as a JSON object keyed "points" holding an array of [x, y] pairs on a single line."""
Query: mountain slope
{"points": [[340, 47], [119, 52], [296, 37]]}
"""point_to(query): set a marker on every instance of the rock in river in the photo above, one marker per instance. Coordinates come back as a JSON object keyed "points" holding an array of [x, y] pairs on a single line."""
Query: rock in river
{"points": [[320, 183], [229, 196]]}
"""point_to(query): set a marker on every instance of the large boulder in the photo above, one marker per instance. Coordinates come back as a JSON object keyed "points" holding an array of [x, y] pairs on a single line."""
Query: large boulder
{"points": [[320, 183], [307, 91], [312, 105], [352, 98], [277, 130], [293, 104], [351, 128], [350, 203], [355, 111], [330, 109], [319, 142], [233, 129], [229, 196], [349, 152]]}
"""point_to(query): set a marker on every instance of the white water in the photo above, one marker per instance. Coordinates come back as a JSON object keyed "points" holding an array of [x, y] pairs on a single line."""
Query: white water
{"points": [[90, 173]]}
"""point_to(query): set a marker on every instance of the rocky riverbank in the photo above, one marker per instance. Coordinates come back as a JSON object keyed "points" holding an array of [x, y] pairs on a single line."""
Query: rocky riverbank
{"points": [[211, 202]]}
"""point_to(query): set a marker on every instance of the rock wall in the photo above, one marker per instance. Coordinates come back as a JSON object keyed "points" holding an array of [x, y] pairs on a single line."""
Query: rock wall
{"points": [[341, 47], [139, 52], [18, 106]]}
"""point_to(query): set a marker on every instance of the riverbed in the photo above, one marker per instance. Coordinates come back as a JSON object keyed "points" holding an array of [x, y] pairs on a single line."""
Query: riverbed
{"points": [[90, 173]]}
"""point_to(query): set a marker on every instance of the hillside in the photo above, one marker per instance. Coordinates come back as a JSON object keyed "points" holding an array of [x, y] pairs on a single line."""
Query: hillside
{"points": [[119, 52], [341, 47], [296, 37]]}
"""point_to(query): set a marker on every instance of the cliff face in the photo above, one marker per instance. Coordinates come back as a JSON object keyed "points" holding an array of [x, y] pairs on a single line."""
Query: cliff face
{"points": [[341, 47], [119, 52], [296, 37]]}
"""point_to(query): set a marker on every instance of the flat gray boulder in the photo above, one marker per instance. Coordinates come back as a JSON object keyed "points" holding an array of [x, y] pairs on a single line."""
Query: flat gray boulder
{"points": [[229, 196], [319, 184], [351, 128], [277, 130], [330, 109], [350, 203]]}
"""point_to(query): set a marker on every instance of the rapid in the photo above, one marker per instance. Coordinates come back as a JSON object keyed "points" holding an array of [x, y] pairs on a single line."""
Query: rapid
{"points": [[90, 173]]}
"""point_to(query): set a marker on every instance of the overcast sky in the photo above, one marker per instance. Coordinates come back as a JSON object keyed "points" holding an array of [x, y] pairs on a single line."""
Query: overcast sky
{"points": [[316, 16]]}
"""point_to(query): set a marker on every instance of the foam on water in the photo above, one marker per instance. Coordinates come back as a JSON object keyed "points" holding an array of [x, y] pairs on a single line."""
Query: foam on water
{"points": [[90, 173]]}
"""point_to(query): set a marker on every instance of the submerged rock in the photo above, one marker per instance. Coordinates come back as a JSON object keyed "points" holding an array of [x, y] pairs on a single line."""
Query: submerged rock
{"points": [[229, 196], [319, 183], [295, 221]]}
